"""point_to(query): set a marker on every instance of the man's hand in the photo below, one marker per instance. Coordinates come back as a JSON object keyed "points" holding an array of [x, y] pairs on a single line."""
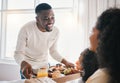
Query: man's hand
{"points": [[68, 64], [26, 69]]}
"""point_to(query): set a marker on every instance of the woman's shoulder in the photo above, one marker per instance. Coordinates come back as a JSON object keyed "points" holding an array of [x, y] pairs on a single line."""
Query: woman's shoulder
{"points": [[100, 76]]}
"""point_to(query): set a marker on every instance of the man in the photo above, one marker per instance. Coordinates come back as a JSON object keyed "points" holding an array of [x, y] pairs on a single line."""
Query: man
{"points": [[36, 39]]}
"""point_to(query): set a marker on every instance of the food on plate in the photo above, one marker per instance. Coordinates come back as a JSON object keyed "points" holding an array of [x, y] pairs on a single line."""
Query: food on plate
{"points": [[56, 74], [55, 71], [69, 71], [59, 69]]}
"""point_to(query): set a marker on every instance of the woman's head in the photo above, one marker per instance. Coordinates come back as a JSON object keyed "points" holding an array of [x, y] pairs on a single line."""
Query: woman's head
{"points": [[106, 18], [102, 22], [109, 42], [88, 63]]}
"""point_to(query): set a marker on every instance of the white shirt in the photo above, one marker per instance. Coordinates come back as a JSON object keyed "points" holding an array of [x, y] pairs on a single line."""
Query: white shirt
{"points": [[100, 76], [33, 45]]}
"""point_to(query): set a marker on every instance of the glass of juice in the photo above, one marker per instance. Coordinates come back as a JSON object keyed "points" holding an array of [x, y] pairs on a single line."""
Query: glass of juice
{"points": [[42, 72]]}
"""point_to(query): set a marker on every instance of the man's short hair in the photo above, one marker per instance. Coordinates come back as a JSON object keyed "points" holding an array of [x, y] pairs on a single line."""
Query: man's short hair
{"points": [[42, 6]]}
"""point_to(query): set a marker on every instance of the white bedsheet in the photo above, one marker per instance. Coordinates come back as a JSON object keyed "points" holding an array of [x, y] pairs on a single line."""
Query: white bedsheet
{"points": [[38, 80], [14, 81]]}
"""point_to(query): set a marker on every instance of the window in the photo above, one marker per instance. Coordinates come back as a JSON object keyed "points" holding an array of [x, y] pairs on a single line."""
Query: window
{"points": [[20, 4], [59, 3], [0, 4], [12, 29], [15, 13]]}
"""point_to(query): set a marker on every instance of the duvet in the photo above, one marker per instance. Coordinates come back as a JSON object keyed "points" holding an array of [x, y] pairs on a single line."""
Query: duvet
{"points": [[37, 80]]}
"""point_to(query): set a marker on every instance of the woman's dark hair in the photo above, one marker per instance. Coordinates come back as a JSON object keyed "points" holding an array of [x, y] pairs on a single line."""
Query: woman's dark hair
{"points": [[105, 18], [109, 43], [89, 63], [42, 6]]}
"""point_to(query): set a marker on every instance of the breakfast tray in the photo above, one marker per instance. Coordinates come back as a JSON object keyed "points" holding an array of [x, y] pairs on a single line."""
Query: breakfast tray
{"points": [[67, 78]]}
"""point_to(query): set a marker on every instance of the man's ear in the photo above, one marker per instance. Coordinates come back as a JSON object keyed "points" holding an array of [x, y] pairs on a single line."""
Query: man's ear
{"points": [[37, 18]]}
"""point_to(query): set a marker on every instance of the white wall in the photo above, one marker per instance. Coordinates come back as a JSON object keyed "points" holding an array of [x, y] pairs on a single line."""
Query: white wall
{"points": [[9, 72]]}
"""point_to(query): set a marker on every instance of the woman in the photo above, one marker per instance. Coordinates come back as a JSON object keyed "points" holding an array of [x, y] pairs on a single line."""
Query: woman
{"points": [[108, 48], [88, 58]]}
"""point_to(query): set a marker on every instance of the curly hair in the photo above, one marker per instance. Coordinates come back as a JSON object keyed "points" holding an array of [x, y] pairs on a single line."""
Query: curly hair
{"points": [[89, 63], [109, 43]]}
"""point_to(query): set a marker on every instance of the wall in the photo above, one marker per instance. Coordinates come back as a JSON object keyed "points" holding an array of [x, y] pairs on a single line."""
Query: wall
{"points": [[9, 72]]}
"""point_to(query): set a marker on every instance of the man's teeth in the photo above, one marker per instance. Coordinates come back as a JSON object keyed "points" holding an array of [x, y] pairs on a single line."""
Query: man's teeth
{"points": [[50, 25]]}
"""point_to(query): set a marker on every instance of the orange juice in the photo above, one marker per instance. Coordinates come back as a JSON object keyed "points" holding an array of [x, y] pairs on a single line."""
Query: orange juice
{"points": [[42, 72]]}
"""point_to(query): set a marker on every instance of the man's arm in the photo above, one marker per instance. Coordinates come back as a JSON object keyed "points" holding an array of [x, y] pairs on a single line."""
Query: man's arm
{"points": [[55, 54], [68, 64], [26, 68], [20, 47]]}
